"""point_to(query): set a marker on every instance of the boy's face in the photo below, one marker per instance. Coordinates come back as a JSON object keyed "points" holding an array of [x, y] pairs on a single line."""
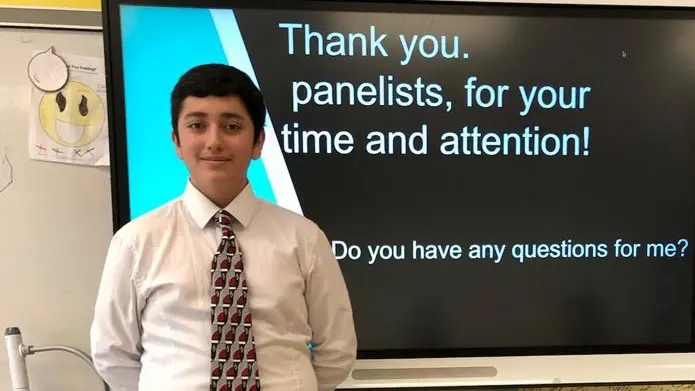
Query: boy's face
{"points": [[216, 143]]}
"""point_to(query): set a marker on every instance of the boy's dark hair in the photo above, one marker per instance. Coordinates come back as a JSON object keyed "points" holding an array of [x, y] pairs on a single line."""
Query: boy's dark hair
{"points": [[218, 80]]}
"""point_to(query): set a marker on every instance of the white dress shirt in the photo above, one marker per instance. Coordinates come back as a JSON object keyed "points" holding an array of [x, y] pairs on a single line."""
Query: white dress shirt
{"points": [[151, 328]]}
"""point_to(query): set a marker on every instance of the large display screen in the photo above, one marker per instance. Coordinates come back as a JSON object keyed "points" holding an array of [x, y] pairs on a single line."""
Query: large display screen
{"points": [[494, 179]]}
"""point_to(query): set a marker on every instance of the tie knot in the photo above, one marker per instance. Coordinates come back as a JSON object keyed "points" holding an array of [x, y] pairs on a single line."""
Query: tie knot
{"points": [[224, 220]]}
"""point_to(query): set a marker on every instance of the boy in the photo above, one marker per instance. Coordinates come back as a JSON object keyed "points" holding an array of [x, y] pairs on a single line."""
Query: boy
{"points": [[218, 289]]}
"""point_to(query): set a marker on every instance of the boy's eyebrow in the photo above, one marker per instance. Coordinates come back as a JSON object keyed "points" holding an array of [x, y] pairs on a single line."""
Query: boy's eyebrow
{"points": [[226, 114], [195, 114], [231, 114]]}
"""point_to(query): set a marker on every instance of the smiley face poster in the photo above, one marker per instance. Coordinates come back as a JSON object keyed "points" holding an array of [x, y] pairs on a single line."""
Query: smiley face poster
{"points": [[68, 115]]}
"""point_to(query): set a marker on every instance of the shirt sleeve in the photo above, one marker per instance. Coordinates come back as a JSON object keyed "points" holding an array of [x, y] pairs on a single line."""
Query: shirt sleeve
{"points": [[334, 341], [115, 329]]}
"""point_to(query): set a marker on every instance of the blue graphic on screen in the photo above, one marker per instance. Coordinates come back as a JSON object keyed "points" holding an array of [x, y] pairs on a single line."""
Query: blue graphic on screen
{"points": [[156, 52]]}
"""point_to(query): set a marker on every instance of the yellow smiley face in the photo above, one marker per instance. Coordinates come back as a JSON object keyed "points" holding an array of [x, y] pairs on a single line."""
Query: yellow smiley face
{"points": [[73, 116]]}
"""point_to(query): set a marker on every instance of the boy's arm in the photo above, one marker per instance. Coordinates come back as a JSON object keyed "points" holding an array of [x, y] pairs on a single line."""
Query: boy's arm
{"points": [[115, 330], [334, 342]]}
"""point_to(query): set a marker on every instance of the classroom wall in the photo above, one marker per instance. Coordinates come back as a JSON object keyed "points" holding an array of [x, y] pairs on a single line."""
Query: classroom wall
{"points": [[49, 273]]}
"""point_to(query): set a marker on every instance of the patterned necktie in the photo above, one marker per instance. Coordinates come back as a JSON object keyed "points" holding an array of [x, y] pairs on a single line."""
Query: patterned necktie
{"points": [[233, 355]]}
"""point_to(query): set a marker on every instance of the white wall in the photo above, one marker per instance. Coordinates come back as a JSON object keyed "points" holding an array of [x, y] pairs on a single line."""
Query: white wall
{"points": [[50, 268]]}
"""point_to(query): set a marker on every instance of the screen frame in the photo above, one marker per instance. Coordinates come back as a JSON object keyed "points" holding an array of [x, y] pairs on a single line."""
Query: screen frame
{"points": [[496, 367]]}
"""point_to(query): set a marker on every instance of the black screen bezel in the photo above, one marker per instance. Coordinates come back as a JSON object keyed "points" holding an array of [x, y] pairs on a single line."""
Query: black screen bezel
{"points": [[118, 144]]}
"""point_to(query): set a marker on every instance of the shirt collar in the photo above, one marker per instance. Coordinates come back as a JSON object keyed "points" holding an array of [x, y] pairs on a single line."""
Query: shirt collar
{"points": [[202, 209]]}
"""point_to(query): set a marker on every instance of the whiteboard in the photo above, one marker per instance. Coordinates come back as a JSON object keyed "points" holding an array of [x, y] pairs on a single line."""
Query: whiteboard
{"points": [[58, 271]]}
